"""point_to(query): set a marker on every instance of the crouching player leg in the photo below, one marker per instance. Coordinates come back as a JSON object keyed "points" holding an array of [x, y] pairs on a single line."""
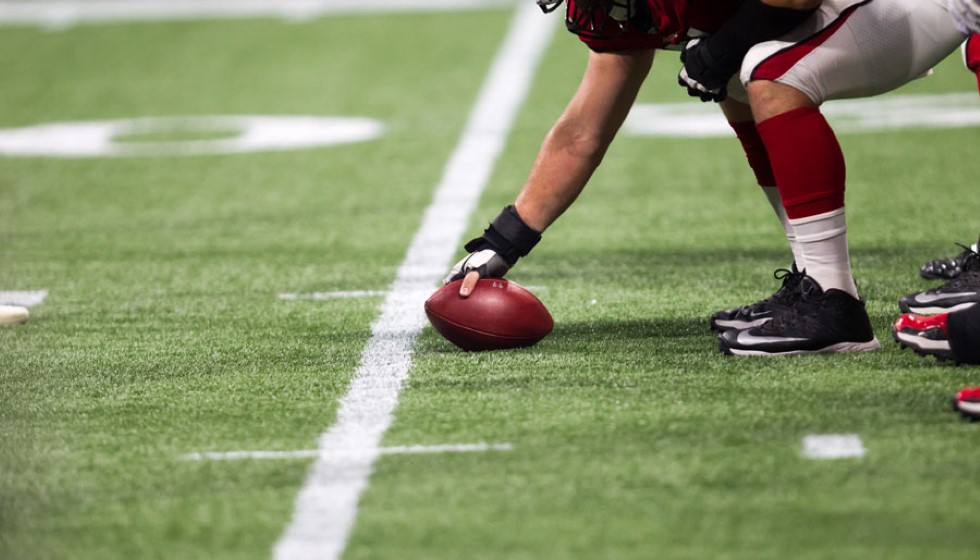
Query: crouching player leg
{"points": [[848, 48]]}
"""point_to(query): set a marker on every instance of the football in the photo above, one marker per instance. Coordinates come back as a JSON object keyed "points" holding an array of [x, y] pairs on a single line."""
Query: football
{"points": [[499, 314]]}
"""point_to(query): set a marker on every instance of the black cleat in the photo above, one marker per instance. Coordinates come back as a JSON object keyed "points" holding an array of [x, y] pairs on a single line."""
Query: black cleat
{"points": [[959, 293], [819, 321], [763, 311], [948, 268]]}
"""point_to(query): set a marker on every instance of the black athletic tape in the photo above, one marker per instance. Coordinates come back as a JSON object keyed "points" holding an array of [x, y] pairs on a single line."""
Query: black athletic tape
{"points": [[508, 235]]}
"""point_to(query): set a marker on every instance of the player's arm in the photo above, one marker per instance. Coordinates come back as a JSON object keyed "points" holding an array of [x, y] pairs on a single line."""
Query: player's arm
{"points": [[570, 153], [577, 142], [711, 61]]}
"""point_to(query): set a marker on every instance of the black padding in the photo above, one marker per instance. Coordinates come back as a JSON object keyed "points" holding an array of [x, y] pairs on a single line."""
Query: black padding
{"points": [[508, 235]]}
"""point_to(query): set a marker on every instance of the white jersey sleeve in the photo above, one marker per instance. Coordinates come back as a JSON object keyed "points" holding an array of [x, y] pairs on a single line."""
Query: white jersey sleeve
{"points": [[966, 15]]}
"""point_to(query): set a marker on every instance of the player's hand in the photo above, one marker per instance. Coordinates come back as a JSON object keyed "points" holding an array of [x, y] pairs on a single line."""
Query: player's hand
{"points": [[478, 264], [492, 254], [704, 75]]}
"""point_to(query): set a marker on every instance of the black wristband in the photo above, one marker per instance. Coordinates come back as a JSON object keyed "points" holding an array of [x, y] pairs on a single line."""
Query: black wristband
{"points": [[754, 22], [508, 236]]}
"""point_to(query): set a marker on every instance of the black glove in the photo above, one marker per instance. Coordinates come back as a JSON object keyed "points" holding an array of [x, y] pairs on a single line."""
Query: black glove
{"points": [[507, 239], [705, 75], [709, 62]]}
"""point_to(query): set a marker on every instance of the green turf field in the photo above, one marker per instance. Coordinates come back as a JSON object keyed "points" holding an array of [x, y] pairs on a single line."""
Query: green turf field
{"points": [[164, 333]]}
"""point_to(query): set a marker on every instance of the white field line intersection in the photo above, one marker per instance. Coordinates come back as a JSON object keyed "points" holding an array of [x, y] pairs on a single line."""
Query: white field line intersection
{"points": [[317, 453], [326, 507]]}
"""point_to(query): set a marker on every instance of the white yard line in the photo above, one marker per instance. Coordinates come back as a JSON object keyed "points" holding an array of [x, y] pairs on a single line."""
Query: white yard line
{"points": [[327, 504], [351, 294], [316, 453], [833, 446], [66, 13], [27, 299]]}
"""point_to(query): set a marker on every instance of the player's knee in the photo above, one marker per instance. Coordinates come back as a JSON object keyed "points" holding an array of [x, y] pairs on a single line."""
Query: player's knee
{"points": [[769, 99]]}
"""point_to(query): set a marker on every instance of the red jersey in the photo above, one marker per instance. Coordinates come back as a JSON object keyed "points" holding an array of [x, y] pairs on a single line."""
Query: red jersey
{"points": [[671, 22]]}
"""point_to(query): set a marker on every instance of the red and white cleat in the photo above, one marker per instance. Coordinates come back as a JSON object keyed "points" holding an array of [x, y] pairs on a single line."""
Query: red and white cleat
{"points": [[924, 334], [967, 403]]}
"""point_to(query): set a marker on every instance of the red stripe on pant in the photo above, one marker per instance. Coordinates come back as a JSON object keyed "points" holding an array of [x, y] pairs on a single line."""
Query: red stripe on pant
{"points": [[782, 61], [806, 160]]}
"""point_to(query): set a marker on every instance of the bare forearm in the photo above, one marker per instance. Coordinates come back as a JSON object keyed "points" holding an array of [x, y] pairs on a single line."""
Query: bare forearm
{"points": [[576, 144], [559, 175]]}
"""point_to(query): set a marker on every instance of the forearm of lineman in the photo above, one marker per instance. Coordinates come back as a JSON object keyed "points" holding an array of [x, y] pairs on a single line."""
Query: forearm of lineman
{"points": [[577, 142], [560, 173]]}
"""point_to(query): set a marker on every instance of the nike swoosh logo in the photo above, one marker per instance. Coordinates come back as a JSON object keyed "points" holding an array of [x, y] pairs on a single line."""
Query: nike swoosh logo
{"points": [[749, 339], [759, 315], [929, 298]]}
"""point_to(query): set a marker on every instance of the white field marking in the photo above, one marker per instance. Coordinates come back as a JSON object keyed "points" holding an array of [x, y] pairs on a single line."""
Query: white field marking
{"points": [[334, 295], [695, 120], [327, 504], [833, 446], [249, 133], [25, 299], [317, 453], [64, 14]]}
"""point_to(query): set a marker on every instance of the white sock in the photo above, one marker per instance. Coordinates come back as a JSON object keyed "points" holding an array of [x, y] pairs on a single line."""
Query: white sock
{"points": [[776, 201], [823, 243]]}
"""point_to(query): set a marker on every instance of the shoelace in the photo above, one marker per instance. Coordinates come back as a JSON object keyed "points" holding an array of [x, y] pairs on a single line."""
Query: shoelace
{"points": [[971, 260], [786, 295], [789, 291], [967, 259], [949, 267], [809, 299]]}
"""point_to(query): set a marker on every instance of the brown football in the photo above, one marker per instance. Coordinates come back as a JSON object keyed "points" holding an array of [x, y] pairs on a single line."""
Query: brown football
{"points": [[498, 314]]}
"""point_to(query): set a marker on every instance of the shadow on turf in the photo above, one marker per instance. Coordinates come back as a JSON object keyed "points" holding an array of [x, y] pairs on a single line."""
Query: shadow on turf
{"points": [[653, 327]]}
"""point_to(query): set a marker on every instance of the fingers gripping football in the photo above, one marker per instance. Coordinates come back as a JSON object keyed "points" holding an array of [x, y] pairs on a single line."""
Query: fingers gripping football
{"points": [[486, 262], [492, 254]]}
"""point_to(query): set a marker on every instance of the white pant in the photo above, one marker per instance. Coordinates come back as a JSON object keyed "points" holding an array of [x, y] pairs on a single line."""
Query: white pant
{"points": [[854, 48]]}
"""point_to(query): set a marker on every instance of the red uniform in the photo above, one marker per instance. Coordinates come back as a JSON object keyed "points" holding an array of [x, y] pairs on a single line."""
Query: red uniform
{"points": [[672, 22]]}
